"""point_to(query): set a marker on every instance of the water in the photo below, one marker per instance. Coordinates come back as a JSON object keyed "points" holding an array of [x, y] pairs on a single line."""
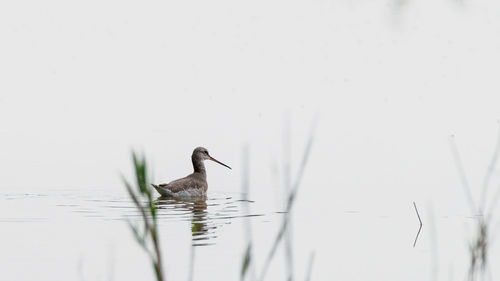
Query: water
{"points": [[66, 233], [84, 234]]}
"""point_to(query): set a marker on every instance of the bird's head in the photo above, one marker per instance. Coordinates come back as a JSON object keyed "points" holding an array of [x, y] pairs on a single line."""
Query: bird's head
{"points": [[202, 153]]}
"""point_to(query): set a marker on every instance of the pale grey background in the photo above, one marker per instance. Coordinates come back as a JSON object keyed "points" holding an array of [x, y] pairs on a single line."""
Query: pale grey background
{"points": [[81, 83]]}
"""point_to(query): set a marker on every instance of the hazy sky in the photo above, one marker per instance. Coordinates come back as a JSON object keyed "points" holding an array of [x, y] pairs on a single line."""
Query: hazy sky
{"points": [[82, 83]]}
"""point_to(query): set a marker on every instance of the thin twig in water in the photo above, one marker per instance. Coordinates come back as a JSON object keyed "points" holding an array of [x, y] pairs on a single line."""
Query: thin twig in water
{"points": [[420, 228]]}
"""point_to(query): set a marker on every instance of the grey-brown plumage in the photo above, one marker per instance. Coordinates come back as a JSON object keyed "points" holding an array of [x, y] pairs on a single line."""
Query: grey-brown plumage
{"points": [[193, 185]]}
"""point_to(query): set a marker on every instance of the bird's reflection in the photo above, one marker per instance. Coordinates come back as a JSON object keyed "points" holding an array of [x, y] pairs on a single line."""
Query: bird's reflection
{"points": [[200, 228]]}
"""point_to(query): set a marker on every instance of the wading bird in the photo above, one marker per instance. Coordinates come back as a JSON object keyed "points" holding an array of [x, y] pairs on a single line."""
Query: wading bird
{"points": [[195, 184]]}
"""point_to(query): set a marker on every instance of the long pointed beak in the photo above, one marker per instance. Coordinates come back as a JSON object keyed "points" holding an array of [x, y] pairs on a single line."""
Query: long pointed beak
{"points": [[213, 159]]}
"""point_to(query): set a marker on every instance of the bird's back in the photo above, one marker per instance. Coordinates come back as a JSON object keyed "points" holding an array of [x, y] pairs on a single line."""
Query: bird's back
{"points": [[194, 184]]}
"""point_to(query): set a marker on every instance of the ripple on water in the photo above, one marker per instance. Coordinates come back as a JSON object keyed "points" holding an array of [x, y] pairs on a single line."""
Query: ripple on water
{"points": [[206, 217]]}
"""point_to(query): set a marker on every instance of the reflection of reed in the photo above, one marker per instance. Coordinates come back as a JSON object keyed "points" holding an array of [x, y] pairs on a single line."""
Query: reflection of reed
{"points": [[199, 221], [199, 218], [199, 227]]}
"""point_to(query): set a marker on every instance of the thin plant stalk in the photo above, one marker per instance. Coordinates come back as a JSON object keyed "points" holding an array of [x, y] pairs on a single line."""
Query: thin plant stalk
{"points": [[247, 263], [463, 176], [478, 248], [287, 157], [489, 172], [309, 266], [143, 192], [290, 202]]}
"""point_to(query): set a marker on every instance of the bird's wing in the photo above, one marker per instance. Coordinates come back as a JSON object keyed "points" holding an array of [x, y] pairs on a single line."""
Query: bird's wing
{"points": [[181, 184]]}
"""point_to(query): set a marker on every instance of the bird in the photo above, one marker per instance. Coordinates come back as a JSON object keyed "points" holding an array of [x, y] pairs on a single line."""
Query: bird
{"points": [[193, 185]]}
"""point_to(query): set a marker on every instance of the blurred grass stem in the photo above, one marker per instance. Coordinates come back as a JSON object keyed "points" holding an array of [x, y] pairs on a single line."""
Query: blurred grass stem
{"points": [[289, 205], [143, 192]]}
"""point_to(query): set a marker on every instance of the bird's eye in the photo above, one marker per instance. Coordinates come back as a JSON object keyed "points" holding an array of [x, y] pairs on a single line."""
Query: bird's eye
{"points": [[206, 152]]}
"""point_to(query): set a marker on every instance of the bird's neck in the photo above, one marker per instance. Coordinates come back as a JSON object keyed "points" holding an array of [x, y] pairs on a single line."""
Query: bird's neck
{"points": [[198, 166]]}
